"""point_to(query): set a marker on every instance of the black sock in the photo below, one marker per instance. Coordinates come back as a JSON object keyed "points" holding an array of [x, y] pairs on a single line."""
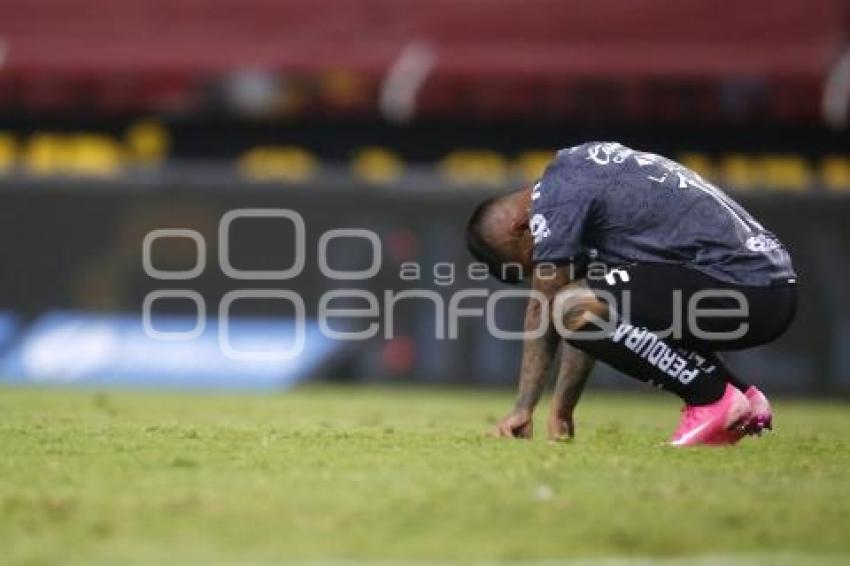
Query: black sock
{"points": [[643, 355], [712, 363], [726, 373]]}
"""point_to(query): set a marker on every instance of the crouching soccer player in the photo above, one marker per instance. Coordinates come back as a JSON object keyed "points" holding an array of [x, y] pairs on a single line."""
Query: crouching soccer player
{"points": [[688, 273]]}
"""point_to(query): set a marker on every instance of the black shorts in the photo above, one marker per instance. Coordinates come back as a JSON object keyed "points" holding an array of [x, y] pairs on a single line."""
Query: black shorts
{"points": [[694, 309]]}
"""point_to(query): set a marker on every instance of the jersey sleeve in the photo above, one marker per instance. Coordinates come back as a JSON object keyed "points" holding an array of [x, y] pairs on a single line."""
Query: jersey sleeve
{"points": [[560, 213]]}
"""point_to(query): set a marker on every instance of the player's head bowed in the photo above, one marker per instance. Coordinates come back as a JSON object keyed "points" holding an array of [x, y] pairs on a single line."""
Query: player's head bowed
{"points": [[498, 234]]}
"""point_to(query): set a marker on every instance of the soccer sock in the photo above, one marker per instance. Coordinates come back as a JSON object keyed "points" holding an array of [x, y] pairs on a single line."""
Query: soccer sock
{"points": [[728, 374], [712, 362], [644, 355]]}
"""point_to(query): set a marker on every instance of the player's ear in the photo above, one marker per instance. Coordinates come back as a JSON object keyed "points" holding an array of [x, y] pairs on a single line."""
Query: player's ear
{"points": [[519, 224]]}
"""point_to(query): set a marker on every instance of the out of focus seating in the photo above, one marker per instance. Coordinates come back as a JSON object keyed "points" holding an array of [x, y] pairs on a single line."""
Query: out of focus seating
{"points": [[550, 57]]}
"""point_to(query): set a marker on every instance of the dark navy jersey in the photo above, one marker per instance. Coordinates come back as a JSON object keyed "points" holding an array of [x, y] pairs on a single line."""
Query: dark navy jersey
{"points": [[619, 206]]}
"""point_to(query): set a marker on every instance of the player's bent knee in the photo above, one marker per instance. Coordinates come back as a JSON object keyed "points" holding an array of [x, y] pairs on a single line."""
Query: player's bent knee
{"points": [[576, 305]]}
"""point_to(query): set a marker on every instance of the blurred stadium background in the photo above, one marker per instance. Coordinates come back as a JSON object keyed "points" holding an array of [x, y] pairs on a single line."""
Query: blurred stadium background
{"points": [[118, 117]]}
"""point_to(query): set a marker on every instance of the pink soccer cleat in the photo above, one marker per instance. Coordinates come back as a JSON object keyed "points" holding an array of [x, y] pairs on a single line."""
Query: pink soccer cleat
{"points": [[762, 415], [720, 422]]}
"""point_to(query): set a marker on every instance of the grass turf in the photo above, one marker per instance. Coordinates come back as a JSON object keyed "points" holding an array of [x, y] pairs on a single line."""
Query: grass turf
{"points": [[325, 474]]}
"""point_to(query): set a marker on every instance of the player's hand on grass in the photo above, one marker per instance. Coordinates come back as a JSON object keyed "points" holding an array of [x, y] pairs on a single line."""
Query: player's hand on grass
{"points": [[561, 426], [518, 424]]}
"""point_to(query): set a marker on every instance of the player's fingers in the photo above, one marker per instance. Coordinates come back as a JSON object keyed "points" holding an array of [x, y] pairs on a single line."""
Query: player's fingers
{"points": [[508, 429], [503, 430], [559, 438], [559, 430]]}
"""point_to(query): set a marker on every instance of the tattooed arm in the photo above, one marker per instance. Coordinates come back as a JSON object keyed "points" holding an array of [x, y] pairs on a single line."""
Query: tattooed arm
{"points": [[538, 353], [572, 376]]}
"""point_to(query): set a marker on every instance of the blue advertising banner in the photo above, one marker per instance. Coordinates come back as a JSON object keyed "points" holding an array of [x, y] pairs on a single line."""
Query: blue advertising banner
{"points": [[68, 348], [9, 325]]}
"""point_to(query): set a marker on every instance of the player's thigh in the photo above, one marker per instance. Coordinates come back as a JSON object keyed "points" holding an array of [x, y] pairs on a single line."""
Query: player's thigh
{"points": [[677, 303], [694, 309], [647, 295], [769, 313]]}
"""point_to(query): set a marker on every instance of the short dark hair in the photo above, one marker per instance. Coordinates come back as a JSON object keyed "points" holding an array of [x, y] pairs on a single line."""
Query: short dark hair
{"points": [[481, 249]]}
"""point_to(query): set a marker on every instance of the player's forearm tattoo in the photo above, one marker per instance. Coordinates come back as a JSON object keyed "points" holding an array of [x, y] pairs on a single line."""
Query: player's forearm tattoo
{"points": [[572, 376], [537, 357]]}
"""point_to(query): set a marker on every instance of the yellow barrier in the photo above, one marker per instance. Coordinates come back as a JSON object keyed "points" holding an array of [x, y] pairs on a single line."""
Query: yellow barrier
{"points": [[530, 165], [8, 152], [76, 154], [835, 173], [285, 163], [474, 167], [147, 143], [377, 165]]}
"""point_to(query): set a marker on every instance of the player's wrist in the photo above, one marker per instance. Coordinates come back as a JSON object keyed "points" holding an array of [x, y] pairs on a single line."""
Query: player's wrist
{"points": [[523, 408], [561, 408]]}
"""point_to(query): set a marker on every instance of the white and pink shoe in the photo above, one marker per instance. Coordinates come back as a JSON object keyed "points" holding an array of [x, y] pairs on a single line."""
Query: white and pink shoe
{"points": [[721, 422], [762, 415]]}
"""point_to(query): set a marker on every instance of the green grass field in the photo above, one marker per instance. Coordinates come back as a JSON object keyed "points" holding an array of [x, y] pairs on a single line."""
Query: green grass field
{"points": [[403, 475]]}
